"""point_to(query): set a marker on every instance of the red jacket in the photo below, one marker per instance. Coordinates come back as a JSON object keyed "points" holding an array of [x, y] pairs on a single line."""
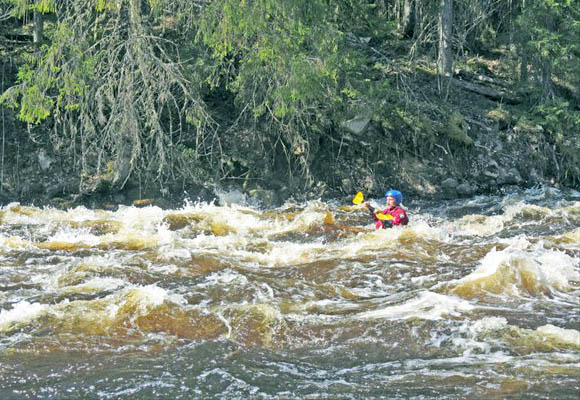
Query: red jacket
{"points": [[399, 217]]}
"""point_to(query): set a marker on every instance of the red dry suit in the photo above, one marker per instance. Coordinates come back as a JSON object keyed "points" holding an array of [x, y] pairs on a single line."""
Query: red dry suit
{"points": [[399, 217]]}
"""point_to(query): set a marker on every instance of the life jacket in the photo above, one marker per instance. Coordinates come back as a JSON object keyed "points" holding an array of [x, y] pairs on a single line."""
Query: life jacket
{"points": [[399, 218]]}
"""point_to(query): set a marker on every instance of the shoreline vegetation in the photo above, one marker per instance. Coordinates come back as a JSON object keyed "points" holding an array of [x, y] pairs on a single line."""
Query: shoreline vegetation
{"points": [[152, 101]]}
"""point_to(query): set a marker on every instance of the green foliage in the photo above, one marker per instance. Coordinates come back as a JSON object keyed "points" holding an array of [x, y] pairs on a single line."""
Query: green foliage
{"points": [[548, 31], [44, 6], [562, 129], [20, 8], [282, 57], [501, 116], [118, 88], [410, 124], [104, 5], [34, 106], [473, 23], [456, 129], [287, 63], [43, 88]]}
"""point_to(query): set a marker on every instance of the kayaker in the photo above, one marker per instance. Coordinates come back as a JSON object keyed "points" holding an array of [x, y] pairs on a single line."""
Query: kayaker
{"points": [[394, 198]]}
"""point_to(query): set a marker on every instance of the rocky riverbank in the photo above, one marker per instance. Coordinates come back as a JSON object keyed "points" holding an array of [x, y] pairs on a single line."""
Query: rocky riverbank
{"points": [[496, 159]]}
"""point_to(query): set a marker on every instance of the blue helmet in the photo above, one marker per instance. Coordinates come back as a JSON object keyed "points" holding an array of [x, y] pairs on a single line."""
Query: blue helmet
{"points": [[395, 194]]}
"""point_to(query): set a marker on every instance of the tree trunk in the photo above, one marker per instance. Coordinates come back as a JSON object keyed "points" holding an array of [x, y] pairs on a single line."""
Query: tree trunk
{"points": [[495, 94], [128, 136], [407, 20], [524, 67], [547, 81], [445, 57], [418, 25], [38, 28]]}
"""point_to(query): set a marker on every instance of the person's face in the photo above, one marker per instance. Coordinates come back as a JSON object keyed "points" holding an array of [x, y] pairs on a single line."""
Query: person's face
{"points": [[391, 202]]}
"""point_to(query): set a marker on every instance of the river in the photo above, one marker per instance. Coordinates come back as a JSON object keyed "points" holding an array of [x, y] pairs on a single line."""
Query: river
{"points": [[477, 298]]}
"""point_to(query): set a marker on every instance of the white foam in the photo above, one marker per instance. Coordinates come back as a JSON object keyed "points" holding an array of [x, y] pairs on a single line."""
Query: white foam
{"points": [[96, 285], [567, 336], [485, 325], [238, 219], [167, 237], [8, 243], [473, 336], [265, 293], [424, 228], [75, 236], [229, 197], [140, 219], [483, 225], [168, 253], [550, 268], [226, 277], [21, 312], [427, 305], [560, 268], [489, 265], [150, 296]]}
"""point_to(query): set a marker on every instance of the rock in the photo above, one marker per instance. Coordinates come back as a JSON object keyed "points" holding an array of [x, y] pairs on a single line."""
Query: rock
{"points": [[510, 177], [119, 198], [5, 198], [368, 184], [142, 202], [456, 128], [44, 160], [32, 188], [97, 184], [449, 188], [523, 126], [61, 203], [552, 193], [55, 190], [347, 185], [490, 174], [502, 117], [464, 189], [357, 125], [449, 184], [534, 177], [319, 190], [163, 203], [491, 163], [268, 198]]}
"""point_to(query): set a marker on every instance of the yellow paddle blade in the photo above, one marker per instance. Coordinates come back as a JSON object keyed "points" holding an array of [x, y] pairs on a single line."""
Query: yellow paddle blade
{"points": [[359, 198], [384, 217]]}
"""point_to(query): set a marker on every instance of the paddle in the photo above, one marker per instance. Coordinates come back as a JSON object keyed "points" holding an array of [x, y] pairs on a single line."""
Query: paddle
{"points": [[359, 198]]}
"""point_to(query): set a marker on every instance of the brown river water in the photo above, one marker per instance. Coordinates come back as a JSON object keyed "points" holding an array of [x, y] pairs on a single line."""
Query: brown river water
{"points": [[476, 298]]}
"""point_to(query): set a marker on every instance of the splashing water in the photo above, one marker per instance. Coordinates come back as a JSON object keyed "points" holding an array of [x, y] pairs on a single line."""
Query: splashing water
{"points": [[476, 297]]}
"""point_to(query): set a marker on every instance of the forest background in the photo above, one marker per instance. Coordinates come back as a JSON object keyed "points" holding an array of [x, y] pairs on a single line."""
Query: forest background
{"points": [[152, 101]]}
